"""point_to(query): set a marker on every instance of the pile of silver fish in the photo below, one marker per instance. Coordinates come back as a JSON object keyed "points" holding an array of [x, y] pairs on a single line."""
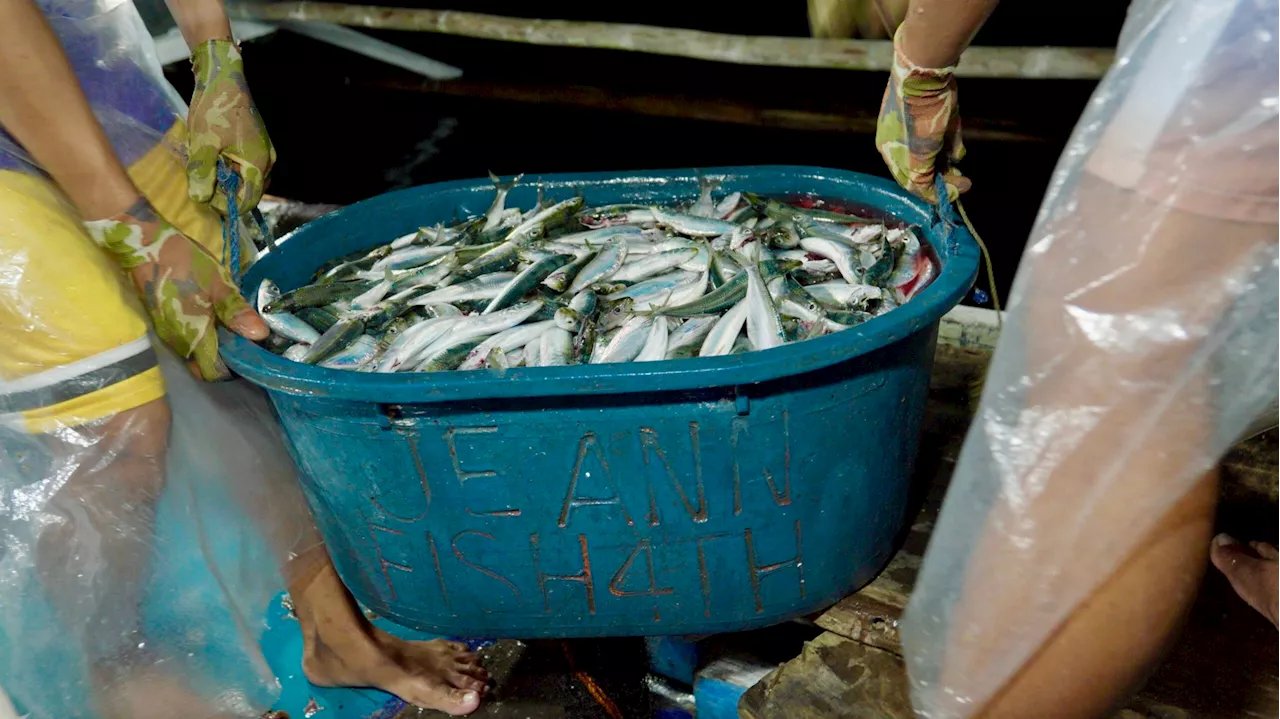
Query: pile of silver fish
{"points": [[563, 283]]}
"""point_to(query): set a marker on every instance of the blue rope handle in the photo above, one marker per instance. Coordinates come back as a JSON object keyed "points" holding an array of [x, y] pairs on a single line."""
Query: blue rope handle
{"points": [[229, 183], [947, 219], [946, 213]]}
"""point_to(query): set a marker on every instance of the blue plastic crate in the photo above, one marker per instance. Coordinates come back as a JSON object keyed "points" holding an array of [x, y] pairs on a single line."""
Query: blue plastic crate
{"points": [[681, 497]]}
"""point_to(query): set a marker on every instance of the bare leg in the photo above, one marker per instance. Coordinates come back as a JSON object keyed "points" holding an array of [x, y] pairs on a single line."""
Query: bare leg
{"points": [[1103, 463], [343, 649], [93, 557], [1108, 645]]}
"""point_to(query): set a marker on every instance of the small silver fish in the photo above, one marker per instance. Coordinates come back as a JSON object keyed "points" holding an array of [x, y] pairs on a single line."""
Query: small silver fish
{"points": [[839, 293], [297, 352], [555, 347], [726, 206], [493, 216], [484, 287], [358, 354], [720, 340], [704, 206], [628, 342], [285, 324], [533, 352], [567, 319], [690, 225], [655, 346], [507, 340], [600, 268], [764, 327], [411, 341], [410, 257], [838, 252], [654, 264], [687, 338]]}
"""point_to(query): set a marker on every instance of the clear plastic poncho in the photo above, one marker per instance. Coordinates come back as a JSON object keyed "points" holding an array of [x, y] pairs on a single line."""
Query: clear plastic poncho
{"points": [[111, 580], [113, 56], [170, 588], [1139, 343]]}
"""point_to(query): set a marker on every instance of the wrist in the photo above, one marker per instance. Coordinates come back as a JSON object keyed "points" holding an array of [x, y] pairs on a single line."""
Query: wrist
{"points": [[916, 77], [127, 234], [200, 30], [915, 47], [104, 192], [220, 56]]}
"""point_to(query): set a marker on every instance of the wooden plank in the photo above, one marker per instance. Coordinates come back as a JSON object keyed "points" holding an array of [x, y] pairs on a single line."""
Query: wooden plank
{"points": [[1222, 667], [866, 621], [832, 53], [681, 106], [1249, 471], [832, 677]]}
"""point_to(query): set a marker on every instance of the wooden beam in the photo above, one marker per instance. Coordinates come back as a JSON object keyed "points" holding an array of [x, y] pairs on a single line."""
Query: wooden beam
{"points": [[831, 53], [681, 106]]}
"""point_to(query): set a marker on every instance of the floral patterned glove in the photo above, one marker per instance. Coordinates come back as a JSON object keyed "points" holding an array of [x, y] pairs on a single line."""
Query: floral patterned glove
{"points": [[223, 122], [181, 284], [919, 125]]}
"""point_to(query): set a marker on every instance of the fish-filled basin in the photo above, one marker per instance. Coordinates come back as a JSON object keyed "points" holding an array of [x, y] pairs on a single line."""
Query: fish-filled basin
{"points": [[683, 496]]}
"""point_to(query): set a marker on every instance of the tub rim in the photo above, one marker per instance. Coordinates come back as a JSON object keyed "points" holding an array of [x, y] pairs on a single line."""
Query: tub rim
{"points": [[954, 245]]}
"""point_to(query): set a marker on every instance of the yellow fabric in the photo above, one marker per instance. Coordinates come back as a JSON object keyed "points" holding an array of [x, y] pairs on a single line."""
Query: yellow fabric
{"points": [[161, 176], [62, 300]]}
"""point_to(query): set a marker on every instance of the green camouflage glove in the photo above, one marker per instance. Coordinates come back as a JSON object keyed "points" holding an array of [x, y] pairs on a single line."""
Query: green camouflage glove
{"points": [[223, 122], [181, 284], [920, 121]]}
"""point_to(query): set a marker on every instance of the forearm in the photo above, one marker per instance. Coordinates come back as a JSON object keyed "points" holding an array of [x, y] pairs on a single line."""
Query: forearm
{"points": [[44, 108], [200, 20], [935, 32]]}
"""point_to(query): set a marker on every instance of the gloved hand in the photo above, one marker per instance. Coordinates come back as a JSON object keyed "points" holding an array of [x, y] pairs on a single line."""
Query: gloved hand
{"points": [[223, 122], [181, 284], [918, 132]]}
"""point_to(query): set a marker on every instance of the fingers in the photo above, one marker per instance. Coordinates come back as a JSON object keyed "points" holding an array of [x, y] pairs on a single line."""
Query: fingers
{"points": [[204, 357], [248, 324], [202, 165], [1255, 578], [1266, 551], [957, 151], [250, 188], [234, 312], [252, 172], [228, 304], [957, 183]]}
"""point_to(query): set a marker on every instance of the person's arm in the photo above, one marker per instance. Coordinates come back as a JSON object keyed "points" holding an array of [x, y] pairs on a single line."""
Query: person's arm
{"points": [[223, 125], [937, 31], [200, 20], [918, 132], [43, 107]]}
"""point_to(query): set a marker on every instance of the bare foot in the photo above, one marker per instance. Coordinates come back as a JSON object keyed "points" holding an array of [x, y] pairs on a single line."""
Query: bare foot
{"points": [[342, 649], [1253, 570]]}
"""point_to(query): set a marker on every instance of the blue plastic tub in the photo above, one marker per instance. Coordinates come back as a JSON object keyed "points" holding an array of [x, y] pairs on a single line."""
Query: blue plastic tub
{"points": [[682, 497]]}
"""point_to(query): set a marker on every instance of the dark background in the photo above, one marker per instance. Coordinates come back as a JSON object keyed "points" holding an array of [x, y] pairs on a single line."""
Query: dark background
{"points": [[347, 127]]}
